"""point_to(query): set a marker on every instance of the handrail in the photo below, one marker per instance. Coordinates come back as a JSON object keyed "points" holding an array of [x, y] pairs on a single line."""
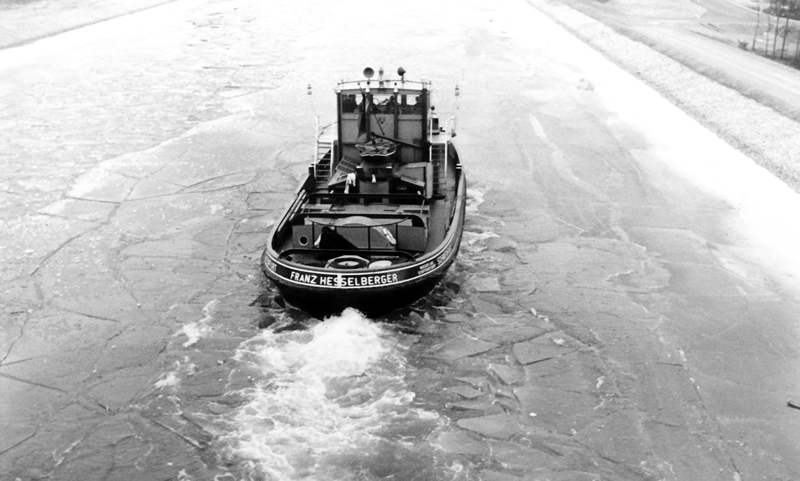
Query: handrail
{"points": [[339, 195], [337, 252], [394, 220], [446, 143], [330, 161], [298, 203], [315, 159]]}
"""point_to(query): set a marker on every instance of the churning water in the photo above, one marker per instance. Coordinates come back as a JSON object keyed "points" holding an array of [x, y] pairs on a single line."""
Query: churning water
{"points": [[332, 403]]}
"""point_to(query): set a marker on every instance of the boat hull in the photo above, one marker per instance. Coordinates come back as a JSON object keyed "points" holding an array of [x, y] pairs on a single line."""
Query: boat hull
{"points": [[322, 301], [325, 292]]}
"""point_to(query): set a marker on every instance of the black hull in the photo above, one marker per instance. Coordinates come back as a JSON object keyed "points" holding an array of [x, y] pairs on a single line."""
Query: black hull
{"points": [[373, 304], [403, 285], [323, 293]]}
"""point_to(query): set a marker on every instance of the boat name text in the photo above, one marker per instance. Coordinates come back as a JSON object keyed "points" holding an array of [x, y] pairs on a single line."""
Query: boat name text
{"points": [[342, 281]]}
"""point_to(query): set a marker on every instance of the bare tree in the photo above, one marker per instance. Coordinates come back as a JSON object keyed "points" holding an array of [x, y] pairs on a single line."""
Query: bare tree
{"points": [[795, 8], [775, 7], [769, 29], [758, 24], [797, 49], [787, 8]]}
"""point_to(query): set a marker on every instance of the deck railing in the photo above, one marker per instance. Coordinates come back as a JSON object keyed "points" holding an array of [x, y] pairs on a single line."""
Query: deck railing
{"points": [[321, 148]]}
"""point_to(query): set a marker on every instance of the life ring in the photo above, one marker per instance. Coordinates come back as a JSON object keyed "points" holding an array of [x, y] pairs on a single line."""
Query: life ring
{"points": [[347, 262]]}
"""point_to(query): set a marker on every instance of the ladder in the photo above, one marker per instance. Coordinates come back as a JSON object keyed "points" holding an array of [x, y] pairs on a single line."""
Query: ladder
{"points": [[322, 164], [344, 167]]}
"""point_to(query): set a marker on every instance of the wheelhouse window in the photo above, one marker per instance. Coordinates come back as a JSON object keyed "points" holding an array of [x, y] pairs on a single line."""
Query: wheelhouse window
{"points": [[402, 103], [349, 104], [411, 104], [385, 104]]}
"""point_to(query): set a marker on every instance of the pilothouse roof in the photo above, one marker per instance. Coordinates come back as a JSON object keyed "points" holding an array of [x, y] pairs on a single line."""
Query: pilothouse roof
{"points": [[370, 84]]}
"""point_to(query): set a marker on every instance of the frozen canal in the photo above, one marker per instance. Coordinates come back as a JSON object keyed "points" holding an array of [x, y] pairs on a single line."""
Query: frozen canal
{"points": [[624, 305]]}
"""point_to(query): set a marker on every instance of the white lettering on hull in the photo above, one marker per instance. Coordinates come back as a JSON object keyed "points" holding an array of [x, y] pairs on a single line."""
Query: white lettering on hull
{"points": [[342, 281]]}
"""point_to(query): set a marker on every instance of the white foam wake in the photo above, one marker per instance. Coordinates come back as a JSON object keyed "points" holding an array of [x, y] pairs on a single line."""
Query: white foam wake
{"points": [[327, 396]]}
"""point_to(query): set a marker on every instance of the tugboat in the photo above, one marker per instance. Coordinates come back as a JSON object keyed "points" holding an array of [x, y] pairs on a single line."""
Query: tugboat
{"points": [[378, 219]]}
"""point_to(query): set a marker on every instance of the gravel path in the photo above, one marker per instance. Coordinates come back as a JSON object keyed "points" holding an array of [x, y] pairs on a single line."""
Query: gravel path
{"points": [[769, 138]]}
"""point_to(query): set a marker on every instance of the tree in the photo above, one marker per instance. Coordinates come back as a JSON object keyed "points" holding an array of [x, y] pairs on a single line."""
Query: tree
{"points": [[797, 49], [758, 23], [769, 27], [775, 7], [796, 5], [788, 10]]}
